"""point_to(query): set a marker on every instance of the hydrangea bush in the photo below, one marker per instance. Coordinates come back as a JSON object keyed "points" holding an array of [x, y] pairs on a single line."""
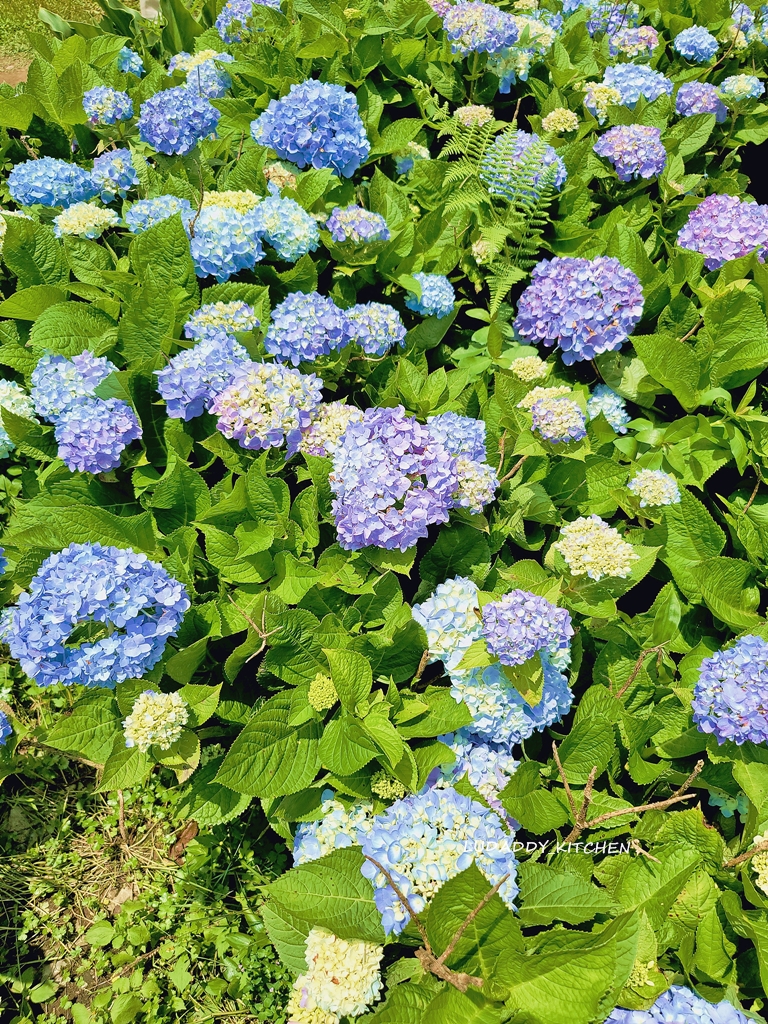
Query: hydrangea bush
{"points": [[384, 458]]}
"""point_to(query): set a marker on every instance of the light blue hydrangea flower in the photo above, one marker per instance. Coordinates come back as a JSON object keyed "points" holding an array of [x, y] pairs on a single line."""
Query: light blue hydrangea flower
{"points": [[520, 624], [193, 378], [305, 327], [451, 619], [107, 106], [6, 729], [487, 766], [50, 182], [476, 27], [635, 81], [337, 827], [175, 120], [518, 163], [696, 44], [375, 327], [147, 212], [113, 174], [139, 603], [679, 1004], [93, 432], [356, 224], [286, 226], [461, 435], [232, 21], [58, 382], [738, 88], [221, 320], [437, 296], [730, 698], [129, 62], [223, 242], [612, 406], [316, 125], [204, 76]]}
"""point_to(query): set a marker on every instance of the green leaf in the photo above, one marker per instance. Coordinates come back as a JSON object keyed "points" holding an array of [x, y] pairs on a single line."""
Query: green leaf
{"points": [[69, 328], [352, 676], [160, 255], [208, 802], [90, 729], [271, 758], [672, 363], [125, 768], [729, 591], [201, 701], [288, 934], [589, 744], [100, 934], [692, 536], [331, 893], [34, 254], [458, 551], [548, 895], [445, 715], [345, 746], [125, 1008], [454, 1007], [29, 303]]}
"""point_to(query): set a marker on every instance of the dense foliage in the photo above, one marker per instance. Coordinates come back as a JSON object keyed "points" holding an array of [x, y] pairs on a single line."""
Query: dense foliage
{"points": [[382, 496]]}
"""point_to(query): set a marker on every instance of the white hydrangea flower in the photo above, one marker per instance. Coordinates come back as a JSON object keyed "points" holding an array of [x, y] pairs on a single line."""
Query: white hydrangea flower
{"points": [[558, 391], [590, 546], [303, 1010], [343, 975], [156, 719], [324, 432], [477, 484], [529, 368], [473, 114], [560, 120], [84, 219], [240, 202], [654, 487], [759, 863], [14, 399]]}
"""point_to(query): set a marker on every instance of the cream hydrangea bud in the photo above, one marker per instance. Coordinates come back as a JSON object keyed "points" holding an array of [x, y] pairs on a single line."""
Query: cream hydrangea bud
{"points": [[156, 719]]}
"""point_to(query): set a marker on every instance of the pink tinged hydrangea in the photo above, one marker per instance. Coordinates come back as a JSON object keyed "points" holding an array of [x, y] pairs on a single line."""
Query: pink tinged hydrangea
{"points": [[392, 481], [634, 42], [700, 98], [520, 624], [723, 228], [584, 307], [266, 405], [635, 150]]}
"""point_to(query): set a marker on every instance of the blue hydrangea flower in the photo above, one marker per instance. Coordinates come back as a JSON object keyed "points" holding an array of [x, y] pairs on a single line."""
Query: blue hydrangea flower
{"points": [[700, 98], [316, 125], [730, 698], [683, 1005], [266, 405], [607, 16], [50, 182], [233, 19], [520, 624], [15, 399], [147, 212], [174, 121], [738, 88], [139, 603], [93, 432], [612, 406], [635, 150], [426, 839], [129, 62], [476, 27], [391, 480], [375, 327], [451, 619], [3, 562], [437, 296], [357, 225], [193, 378], [634, 42], [338, 826], [635, 81], [305, 327], [535, 39], [461, 435], [696, 44], [223, 242], [113, 174], [583, 306], [58, 382], [487, 766], [407, 158], [728, 805], [517, 164], [220, 320], [6, 729], [286, 226], [499, 713], [204, 76], [107, 106], [723, 228]]}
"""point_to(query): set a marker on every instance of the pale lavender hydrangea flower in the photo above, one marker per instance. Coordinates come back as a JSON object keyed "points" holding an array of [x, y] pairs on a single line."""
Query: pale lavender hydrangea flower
{"points": [[305, 327], [635, 150], [93, 432], [355, 224], [700, 98], [730, 698], [476, 27], [723, 228], [520, 624]]}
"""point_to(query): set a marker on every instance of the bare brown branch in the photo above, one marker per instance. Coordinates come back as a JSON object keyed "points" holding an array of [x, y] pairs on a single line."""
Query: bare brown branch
{"points": [[469, 919], [511, 473], [744, 857], [659, 648]]}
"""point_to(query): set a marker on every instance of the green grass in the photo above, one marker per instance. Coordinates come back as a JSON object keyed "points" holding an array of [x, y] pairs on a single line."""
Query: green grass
{"points": [[20, 16]]}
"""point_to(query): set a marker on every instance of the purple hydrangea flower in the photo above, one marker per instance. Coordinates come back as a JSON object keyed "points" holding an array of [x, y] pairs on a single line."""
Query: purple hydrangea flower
{"points": [[92, 433], [223, 242], [696, 44], [392, 481], [58, 382], [316, 125], [129, 62], [50, 182], [286, 226], [146, 213], [113, 174], [375, 327], [193, 378], [437, 296], [234, 17], [306, 326], [461, 435], [700, 98], [635, 81], [174, 121], [475, 27], [723, 228], [518, 163], [139, 603], [730, 698], [520, 624], [356, 224], [681, 1005], [266, 405], [107, 106], [583, 306], [635, 150]]}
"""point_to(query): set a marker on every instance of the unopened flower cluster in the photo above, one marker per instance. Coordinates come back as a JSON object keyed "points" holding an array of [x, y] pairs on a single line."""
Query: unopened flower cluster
{"points": [[654, 487], [635, 150], [560, 120], [722, 228], [585, 307], [220, 320], [85, 220], [730, 698], [591, 547], [634, 42], [322, 693], [599, 97], [140, 605], [156, 719]]}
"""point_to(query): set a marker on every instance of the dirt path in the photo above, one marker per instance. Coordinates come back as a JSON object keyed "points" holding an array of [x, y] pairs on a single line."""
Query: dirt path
{"points": [[13, 69]]}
